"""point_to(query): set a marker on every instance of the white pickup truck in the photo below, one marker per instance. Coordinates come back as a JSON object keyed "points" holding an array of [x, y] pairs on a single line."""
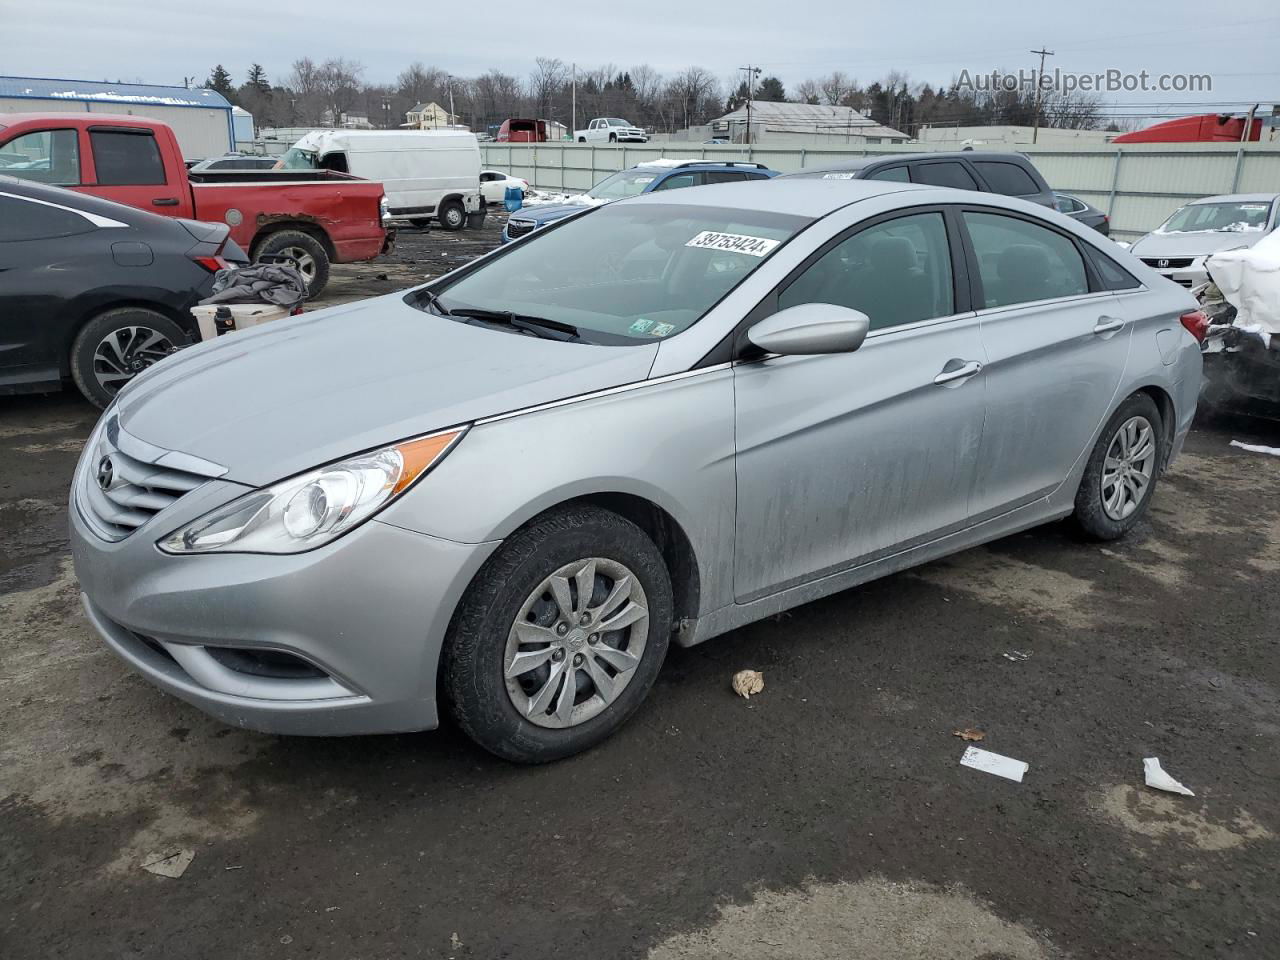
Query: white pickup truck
{"points": [[611, 130]]}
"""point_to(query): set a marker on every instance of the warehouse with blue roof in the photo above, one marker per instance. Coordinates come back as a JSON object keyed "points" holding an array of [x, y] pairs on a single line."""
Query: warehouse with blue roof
{"points": [[202, 119]]}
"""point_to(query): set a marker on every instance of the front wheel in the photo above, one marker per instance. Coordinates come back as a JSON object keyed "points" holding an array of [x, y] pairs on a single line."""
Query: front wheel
{"points": [[452, 216], [116, 346], [582, 139], [1121, 474], [560, 636]]}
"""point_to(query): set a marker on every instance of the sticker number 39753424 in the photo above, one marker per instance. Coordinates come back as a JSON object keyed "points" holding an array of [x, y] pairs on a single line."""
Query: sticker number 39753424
{"points": [[733, 243]]}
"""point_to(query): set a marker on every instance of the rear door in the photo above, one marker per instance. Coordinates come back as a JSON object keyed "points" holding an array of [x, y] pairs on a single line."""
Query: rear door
{"points": [[129, 168], [846, 458], [44, 250], [944, 173], [1056, 345]]}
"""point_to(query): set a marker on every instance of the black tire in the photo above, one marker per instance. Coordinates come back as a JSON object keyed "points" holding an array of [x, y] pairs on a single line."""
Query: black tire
{"points": [[314, 262], [472, 678], [582, 139], [1090, 516], [613, 138], [452, 215], [86, 368], [422, 223]]}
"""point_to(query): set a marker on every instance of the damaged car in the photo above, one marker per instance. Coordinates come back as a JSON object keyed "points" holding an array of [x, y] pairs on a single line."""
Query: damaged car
{"points": [[1179, 247], [650, 423]]}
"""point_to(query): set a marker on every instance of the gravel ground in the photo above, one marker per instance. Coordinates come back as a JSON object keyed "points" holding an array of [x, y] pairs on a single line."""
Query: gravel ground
{"points": [[827, 817]]}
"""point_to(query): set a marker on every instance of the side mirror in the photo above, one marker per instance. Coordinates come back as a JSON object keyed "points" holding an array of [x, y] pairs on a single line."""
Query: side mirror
{"points": [[811, 328]]}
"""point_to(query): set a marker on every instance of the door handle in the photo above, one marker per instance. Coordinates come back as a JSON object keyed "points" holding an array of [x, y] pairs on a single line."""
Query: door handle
{"points": [[962, 372], [165, 202], [1108, 325]]}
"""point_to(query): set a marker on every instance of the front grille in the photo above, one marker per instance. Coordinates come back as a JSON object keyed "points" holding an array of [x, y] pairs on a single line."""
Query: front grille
{"points": [[1168, 263], [518, 228], [125, 481]]}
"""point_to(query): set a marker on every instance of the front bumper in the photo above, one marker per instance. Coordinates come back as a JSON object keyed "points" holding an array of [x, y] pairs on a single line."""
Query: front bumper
{"points": [[362, 620]]}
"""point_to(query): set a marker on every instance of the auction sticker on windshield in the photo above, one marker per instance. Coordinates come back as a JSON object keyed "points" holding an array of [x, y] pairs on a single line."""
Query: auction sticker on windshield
{"points": [[733, 243]]}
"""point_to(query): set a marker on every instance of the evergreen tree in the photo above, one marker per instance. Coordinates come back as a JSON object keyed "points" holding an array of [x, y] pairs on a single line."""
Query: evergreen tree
{"points": [[770, 89], [258, 79], [220, 80]]}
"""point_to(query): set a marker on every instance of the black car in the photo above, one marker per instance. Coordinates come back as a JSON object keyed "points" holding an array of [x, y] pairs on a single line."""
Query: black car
{"points": [[1077, 209], [96, 291], [1011, 174]]}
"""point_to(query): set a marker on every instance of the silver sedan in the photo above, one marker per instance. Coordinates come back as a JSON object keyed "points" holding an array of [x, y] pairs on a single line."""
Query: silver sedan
{"points": [[651, 423]]}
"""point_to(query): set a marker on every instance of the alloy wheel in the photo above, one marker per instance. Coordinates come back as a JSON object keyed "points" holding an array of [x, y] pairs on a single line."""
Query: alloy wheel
{"points": [[124, 353], [576, 643], [1128, 468], [305, 261]]}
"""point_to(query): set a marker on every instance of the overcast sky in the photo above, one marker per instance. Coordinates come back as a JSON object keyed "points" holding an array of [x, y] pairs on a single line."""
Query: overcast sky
{"points": [[160, 41]]}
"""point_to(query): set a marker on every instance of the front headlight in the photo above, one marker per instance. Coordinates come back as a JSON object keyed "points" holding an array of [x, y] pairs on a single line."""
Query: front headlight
{"points": [[316, 507]]}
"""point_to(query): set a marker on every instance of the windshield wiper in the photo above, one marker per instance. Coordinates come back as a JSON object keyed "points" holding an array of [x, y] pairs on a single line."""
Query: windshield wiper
{"points": [[433, 300], [539, 326]]}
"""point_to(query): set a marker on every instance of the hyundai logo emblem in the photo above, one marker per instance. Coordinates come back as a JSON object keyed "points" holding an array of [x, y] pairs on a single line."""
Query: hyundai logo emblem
{"points": [[106, 473], [1162, 262]]}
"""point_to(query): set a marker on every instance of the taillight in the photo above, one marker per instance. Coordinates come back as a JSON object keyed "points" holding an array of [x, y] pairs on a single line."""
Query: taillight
{"points": [[1197, 324], [212, 264]]}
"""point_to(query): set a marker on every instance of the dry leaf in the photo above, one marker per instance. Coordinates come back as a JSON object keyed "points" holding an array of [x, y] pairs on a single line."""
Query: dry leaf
{"points": [[747, 682], [968, 733]]}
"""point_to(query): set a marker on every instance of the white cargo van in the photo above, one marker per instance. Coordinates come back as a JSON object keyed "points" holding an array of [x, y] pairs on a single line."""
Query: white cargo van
{"points": [[427, 174]]}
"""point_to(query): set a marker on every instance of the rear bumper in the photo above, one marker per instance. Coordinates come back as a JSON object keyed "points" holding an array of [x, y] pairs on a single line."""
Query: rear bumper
{"points": [[361, 248]]}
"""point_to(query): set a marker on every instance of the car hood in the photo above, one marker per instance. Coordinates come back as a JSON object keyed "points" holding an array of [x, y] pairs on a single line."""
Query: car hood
{"points": [[546, 212], [1198, 244], [287, 396]]}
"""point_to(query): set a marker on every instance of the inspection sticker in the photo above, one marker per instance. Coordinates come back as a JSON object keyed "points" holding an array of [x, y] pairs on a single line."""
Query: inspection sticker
{"points": [[641, 325], [662, 329], [733, 242]]}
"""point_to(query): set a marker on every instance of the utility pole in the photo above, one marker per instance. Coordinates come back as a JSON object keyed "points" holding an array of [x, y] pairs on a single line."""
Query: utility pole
{"points": [[573, 119], [1035, 129], [449, 80], [751, 72]]}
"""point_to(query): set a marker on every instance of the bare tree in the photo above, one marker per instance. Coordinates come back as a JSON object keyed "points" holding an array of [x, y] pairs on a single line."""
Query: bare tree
{"points": [[835, 87], [694, 95], [546, 83], [809, 91], [304, 84], [338, 85]]}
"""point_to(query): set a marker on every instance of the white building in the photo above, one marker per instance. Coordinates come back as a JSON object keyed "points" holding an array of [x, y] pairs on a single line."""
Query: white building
{"points": [[1008, 136], [201, 119], [773, 122], [431, 116]]}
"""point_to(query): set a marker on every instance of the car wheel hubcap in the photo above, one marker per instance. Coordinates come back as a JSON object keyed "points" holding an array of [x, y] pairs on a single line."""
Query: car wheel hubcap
{"points": [[123, 354], [1128, 468], [305, 261], [576, 643]]}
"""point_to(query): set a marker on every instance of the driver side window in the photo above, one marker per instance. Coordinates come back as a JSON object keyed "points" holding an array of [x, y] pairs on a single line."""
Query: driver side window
{"points": [[895, 272]]}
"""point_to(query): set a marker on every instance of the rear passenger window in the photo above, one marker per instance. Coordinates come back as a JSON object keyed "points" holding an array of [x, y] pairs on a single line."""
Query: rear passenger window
{"points": [[945, 174], [723, 176], [1114, 276], [890, 173], [895, 272], [26, 220], [1019, 261], [1007, 178], [125, 158]]}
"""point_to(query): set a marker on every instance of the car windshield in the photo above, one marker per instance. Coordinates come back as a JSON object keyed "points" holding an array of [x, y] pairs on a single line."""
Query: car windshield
{"points": [[628, 183], [1221, 217], [295, 159], [623, 273], [617, 122]]}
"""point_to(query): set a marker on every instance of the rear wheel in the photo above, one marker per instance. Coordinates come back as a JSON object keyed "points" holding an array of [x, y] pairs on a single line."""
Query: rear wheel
{"points": [[114, 347], [304, 250], [560, 636], [452, 216], [582, 139], [613, 138], [1121, 474]]}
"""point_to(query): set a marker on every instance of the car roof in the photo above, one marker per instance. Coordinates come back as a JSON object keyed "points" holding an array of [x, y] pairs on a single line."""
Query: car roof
{"points": [[861, 163], [1238, 198], [806, 198]]}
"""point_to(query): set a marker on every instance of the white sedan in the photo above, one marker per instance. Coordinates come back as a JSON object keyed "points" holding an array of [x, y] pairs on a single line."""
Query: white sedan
{"points": [[494, 183]]}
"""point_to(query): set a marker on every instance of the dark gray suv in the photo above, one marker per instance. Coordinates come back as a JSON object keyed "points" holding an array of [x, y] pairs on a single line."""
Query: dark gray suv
{"points": [[1008, 173]]}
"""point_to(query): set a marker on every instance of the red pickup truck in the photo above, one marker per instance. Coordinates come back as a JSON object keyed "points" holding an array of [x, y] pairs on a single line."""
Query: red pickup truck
{"points": [[317, 217]]}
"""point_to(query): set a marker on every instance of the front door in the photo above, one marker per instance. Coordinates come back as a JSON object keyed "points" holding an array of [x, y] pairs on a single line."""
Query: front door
{"points": [[844, 458], [1056, 352]]}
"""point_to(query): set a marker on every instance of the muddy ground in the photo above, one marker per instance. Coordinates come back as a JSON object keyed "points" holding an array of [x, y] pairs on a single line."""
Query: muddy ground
{"points": [[827, 817]]}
